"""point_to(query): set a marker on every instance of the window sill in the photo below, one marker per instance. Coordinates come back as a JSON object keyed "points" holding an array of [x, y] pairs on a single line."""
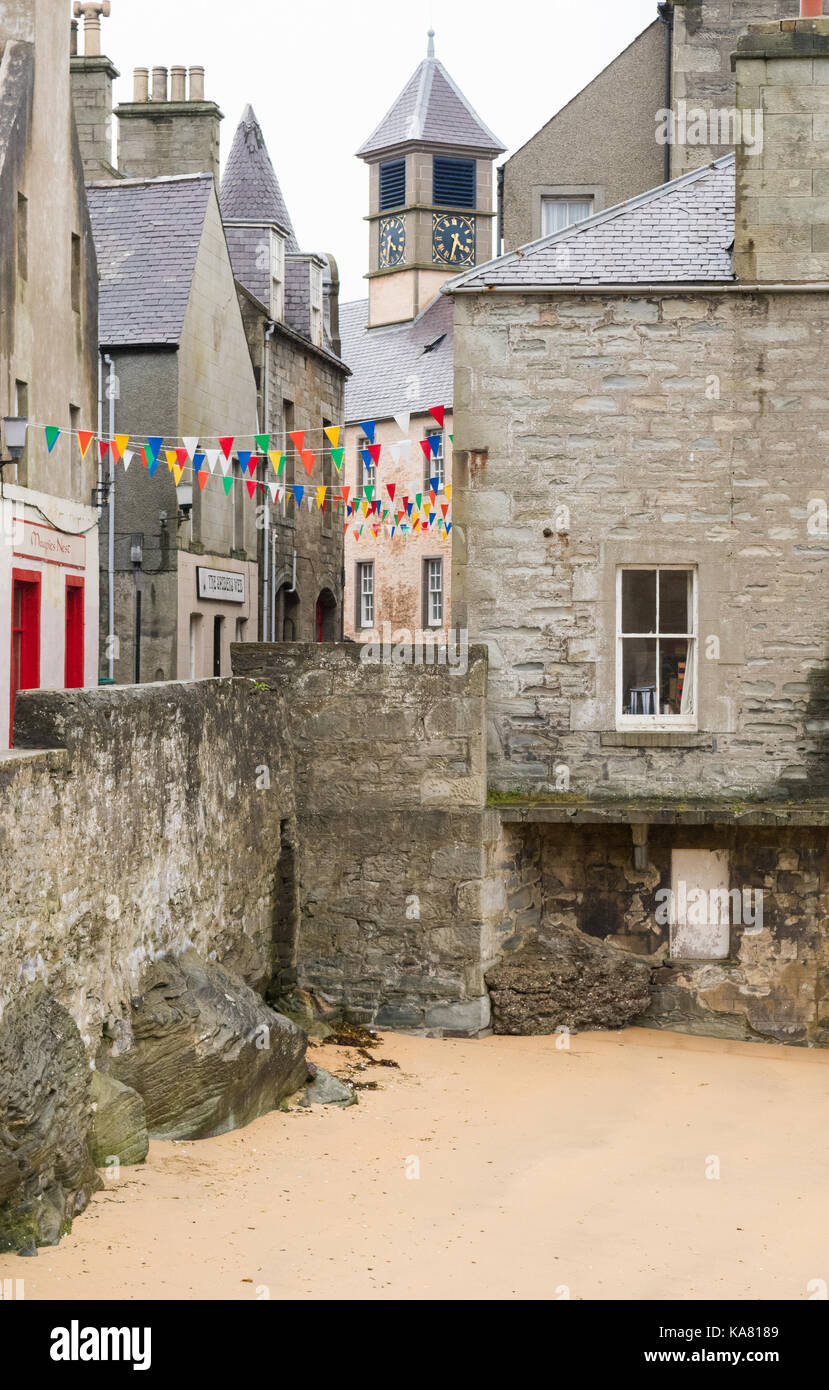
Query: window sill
{"points": [[639, 736]]}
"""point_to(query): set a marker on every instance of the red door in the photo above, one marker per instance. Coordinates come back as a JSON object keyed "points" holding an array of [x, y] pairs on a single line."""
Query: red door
{"points": [[25, 655], [73, 677]]}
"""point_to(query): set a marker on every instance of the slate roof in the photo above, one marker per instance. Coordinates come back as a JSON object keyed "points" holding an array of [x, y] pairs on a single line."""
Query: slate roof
{"points": [[147, 236], [383, 361], [681, 232], [432, 110], [250, 189]]}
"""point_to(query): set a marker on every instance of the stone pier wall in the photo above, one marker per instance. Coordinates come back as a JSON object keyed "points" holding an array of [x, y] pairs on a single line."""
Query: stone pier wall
{"points": [[397, 897]]}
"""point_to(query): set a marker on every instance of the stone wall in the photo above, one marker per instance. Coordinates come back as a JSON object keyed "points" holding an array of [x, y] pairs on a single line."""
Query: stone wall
{"points": [[152, 823], [598, 431], [396, 849]]}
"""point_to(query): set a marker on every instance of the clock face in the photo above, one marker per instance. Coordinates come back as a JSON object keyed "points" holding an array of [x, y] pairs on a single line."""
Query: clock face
{"points": [[453, 240], [392, 242]]}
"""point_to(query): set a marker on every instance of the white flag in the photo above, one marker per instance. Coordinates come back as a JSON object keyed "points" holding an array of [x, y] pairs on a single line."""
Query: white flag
{"points": [[403, 420], [128, 457], [191, 445], [212, 456]]}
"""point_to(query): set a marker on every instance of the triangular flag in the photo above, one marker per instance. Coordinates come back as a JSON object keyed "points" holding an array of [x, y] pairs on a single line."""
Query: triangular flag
{"points": [[155, 442], [447, 488], [418, 499], [128, 458], [227, 484], [227, 445], [85, 438], [251, 487], [297, 438], [177, 473], [274, 491], [299, 493], [333, 433], [203, 476], [307, 456], [277, 459], [103, 446], [367, 459], [119, 444], [375, 450], [321, 495], [438, 413], [243, 456], [368, 492], [199, 461], [181, 458], [451, 439], [170, 455], [52, 435], [434, 444], [337, 456], [426, 447], [152, 465], [444, 508], [345, 491], [434, 484], [403, 421], [191, 444], [227, 466], [263, 443], [391, 489], [368, 427], [310, 503], [145, 455]]}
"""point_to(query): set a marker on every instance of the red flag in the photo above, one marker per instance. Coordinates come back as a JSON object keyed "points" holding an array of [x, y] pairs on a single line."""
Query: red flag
{"points": [[424, 444], [227, 445], [391, 488], [445, 509], [297, 438], [439, 414], [183, 458], [374, 450], [84, 441], [345, 491], [104, 446], [307, 456], [203, 477], [251, 487]]}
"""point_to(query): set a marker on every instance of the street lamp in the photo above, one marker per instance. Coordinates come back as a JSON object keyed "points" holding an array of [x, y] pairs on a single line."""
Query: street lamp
{"points": [[184, 495], [14, 429]]}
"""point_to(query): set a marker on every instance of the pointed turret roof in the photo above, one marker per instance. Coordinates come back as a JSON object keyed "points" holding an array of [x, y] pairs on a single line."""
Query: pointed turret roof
{"points": [[432, 110], [250, 188]]}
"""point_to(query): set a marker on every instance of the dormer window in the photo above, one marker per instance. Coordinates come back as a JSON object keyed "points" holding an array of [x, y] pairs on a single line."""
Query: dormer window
{"points": [[277, 277], [316, 304], [454, 182], [392, 184]]}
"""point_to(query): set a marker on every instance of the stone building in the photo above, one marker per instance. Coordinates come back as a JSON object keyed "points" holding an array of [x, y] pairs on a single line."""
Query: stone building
{"points": [[607, 144], [290, 307], [430, 211], [647, 559], [48, 314]]}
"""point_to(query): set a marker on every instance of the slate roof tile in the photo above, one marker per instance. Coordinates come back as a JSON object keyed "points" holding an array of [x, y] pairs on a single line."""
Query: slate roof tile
{"points": [[387, 363], [250, 189], [432, 110]]}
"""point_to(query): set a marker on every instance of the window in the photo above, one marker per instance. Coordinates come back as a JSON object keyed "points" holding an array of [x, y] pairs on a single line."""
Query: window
{"points": [[365, 595], [435, 466], [316, 298], [558, 213], [392, 184], [241, 628], [22, 237], [76, 273], [327, 478], [656, 644], [454, 182], [366, 477], [433, 593], [701, 904], [277, 277]]}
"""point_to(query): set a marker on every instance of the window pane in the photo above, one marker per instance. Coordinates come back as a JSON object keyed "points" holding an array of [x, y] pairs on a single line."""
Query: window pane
{"points": [[558, 213], [676, 676], [639, 601], [674, 588], [639, 675]]}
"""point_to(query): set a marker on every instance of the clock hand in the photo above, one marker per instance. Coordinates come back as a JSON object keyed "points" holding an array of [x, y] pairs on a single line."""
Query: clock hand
{"points": [[456, 243]]}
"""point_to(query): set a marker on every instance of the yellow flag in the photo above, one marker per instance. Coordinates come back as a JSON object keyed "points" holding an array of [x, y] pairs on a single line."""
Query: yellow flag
{"points": [[448, 491], [171, 459], [333, 432], [321, 491], [277, 461], [176, 472], [121, 442]]}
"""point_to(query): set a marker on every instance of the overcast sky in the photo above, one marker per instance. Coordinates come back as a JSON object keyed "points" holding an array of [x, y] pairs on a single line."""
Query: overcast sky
{"points": [[321, 74]]}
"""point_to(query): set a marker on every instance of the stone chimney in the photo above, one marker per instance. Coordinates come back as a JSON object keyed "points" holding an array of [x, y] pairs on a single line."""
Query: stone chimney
{"points": [[782, 215], [92, 79], [173, 130]]}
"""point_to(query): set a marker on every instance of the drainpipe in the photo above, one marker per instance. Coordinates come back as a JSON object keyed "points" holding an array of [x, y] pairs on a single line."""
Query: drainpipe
{"points": [[499, 250], [266, 367], [100, 495], [111, 561], [666, 14]]}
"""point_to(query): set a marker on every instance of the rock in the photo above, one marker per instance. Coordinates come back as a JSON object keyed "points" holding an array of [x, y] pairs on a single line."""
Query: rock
{"points": [[468, 1016], [119, 1123], [326, 1089], [209, 1055], [567, 980], [46, 1173]]}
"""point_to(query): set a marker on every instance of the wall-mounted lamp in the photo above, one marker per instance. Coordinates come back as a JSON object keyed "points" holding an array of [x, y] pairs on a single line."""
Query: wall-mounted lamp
{"points": [[14, 430], [184, 495], [137, 549]]}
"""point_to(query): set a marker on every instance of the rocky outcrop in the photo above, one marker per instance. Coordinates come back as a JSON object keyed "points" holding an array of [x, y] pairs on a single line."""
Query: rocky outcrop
{"points": [[567, 980], [46, 1173], [119, 1123], [208, 1055]]}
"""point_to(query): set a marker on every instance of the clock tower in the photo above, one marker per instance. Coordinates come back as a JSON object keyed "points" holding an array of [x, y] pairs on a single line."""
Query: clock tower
{"points": [[431, 193]]}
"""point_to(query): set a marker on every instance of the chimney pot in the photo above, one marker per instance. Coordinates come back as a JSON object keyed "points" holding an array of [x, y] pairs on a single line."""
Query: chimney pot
{"points": [[811, 9], [197, 84], [159, 84], [178, 83], [73, 39], [141, 84]]}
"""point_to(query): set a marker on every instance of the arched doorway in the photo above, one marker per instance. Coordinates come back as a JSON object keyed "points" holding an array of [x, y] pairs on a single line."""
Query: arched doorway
{"points": [[287, 628], [325, 626]]}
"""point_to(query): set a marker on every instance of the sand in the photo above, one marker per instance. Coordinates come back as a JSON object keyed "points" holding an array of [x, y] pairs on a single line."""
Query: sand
{"points": [[543, 1174]]}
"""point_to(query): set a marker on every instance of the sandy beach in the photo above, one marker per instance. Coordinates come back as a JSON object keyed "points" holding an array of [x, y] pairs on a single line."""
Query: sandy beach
{"points": [[497, 1169]]}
